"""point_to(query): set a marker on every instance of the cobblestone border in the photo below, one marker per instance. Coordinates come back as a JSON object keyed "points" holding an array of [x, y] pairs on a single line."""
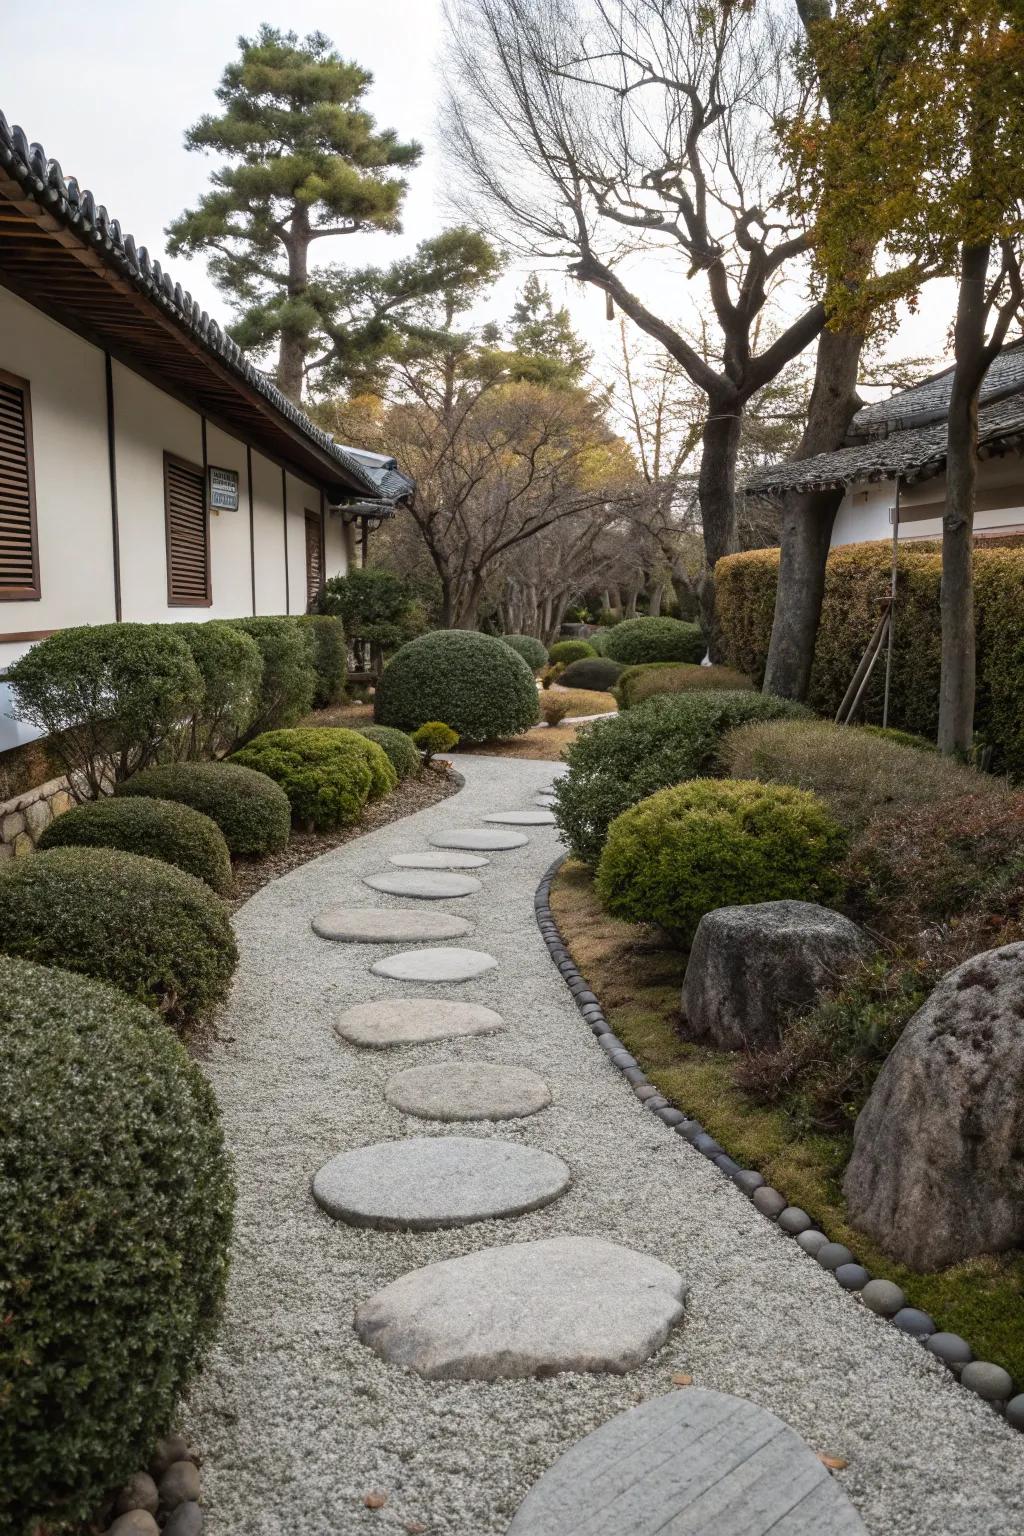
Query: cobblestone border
{"points": [[988, 1381]]}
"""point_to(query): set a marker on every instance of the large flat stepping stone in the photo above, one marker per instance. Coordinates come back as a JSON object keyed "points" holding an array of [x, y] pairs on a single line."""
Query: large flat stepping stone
{"points": [[372, 925], [527, 1309], [425, 884], [479, 839], [467, 1091], [438, 860], [692, 1463], [437, 1181], [436, 964], [522, 818], [414, 1021]]}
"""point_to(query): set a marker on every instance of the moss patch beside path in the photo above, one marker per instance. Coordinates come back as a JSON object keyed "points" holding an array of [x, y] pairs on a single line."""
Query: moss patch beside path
{"points": [[638, 980]]}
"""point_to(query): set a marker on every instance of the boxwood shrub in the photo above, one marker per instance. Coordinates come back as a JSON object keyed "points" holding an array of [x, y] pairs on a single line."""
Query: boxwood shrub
{"points": [[116, 1198], [251, 810], [329, 656], [434, 736], [327, 772], [616, 762], [231, 667], [570, 650], [645, 682], [160, 829], [158, 934], [401, 753], [639, 640], [717, 843], [534, 652], [594, 672], [288, 685], [474, 683]]}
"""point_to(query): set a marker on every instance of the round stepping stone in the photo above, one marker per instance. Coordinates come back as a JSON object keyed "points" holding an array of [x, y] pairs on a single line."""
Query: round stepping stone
{"points": [[526, 1309], [425, 884], [437, 1181], [690, 1461], [414, 1021], [436, 964], [522, 818], [438, 860], [479, 839], [373, 925], [468, 1091]]}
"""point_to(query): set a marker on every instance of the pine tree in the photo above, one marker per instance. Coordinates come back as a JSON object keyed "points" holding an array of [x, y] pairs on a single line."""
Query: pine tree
{"points": [[551, 351]]}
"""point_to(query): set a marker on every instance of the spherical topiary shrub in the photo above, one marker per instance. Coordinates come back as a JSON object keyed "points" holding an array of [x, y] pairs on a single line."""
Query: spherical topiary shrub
{"points": [[160, 829], [432, 737], [115, 1221], [595, 672], [638, 640], [251, 810], [717, 843], [474, 683], [570, 650], [534, 652], [616, 762], [401, 753], [158, 934], [327, 772]]}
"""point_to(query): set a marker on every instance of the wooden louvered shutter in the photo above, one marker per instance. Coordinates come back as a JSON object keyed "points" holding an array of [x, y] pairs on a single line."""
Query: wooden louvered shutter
{"points": [[314, 557], [188, 535], [19, 552]]}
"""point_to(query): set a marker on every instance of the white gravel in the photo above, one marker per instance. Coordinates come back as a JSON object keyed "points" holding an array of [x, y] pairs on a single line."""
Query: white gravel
{"points": [[298, 1421]]}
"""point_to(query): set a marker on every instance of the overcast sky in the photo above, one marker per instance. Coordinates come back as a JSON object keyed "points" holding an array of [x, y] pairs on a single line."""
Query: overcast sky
{"points": [[108, 88]]}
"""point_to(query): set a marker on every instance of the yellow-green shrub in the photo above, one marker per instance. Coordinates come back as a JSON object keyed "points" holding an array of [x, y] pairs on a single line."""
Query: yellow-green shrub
{"points": [[327, 772], [645, 682]]}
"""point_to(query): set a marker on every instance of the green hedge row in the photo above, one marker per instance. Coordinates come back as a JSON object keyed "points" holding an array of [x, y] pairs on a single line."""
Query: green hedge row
{"points": [[857, 578]]}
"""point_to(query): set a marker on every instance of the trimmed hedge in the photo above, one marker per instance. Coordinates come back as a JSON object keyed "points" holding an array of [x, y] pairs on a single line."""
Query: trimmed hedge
{"points": [[327, 772], [474, 683], [566, 651], [635, 641], [251, 810], [158, 934], [645, 682], [116, 1200], [231, 667], [593, 672], [329, 657], [616, 762], [717, 843], [289, 682], [857, 576], [160, 829], [401, 753], [533, 651]]}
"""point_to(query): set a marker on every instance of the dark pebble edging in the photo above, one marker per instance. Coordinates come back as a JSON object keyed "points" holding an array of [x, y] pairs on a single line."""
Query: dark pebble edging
{"points": [[882, 1297]]}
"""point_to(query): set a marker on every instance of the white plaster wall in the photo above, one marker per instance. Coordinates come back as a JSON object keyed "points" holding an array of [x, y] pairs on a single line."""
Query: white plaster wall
{"points": [[229, 534], [302, 498], [865, 509], [335, 550], [268, 524]]}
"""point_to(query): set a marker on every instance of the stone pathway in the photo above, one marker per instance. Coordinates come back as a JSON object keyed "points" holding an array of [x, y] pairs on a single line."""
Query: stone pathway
{"points": [[379, 1371]]}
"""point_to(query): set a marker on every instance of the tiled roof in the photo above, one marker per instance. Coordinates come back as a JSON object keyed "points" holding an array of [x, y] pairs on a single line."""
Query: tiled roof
{"points": [[914, 454], [76, 208], [929, 401]]}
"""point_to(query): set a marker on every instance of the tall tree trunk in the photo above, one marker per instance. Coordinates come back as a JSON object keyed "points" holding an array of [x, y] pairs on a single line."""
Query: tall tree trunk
{"points": [[716, 491], [808, 517], [956, 600], [291, 356], [654, 607]]}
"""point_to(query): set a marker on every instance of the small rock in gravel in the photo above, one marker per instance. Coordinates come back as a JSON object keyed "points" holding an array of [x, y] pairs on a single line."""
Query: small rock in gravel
{"points": [[883, 1297], [812, 1242], [852, 1277], [186, 1520], [137, 1522], [794, 1221], [831, 1255], [989, 1381], [911, 1320], [179, 1483], [1015, 1412], [169, 1450], [139, 1492], [951, 1348], [768, 1201]]}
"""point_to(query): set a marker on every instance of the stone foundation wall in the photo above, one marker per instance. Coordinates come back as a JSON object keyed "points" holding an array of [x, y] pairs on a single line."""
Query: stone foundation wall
{"points": [[23, 819]]}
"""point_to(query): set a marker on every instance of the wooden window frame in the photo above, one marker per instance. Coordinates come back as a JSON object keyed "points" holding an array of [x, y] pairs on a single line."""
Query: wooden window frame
{"points": [[314, 517], [34, 593], [194, 469]]}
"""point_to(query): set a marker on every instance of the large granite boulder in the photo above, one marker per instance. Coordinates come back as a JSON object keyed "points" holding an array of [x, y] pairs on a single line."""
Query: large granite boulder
{"points": [[751, 966], [937, 1172]]}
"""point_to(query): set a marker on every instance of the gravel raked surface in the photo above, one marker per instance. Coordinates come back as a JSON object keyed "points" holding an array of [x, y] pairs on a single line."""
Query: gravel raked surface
{"points": [[298, 1421]]}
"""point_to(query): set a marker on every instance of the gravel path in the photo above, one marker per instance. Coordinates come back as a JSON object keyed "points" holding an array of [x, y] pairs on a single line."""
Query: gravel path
{"points": [[298, 1421]]}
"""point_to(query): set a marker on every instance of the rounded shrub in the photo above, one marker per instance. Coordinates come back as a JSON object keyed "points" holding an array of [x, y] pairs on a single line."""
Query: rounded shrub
{"points": [[593, 672], [158, 934], [657, 677], [289, 683], [327, 772], [401, 753], [616, 762], [160, 829], [638, 640], [534, 652], [251, 810], [433, 737], [326, 635], [474, 683], [598, 641], [231, 667], [717, 843], [116, 1199], [566, 651]]}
